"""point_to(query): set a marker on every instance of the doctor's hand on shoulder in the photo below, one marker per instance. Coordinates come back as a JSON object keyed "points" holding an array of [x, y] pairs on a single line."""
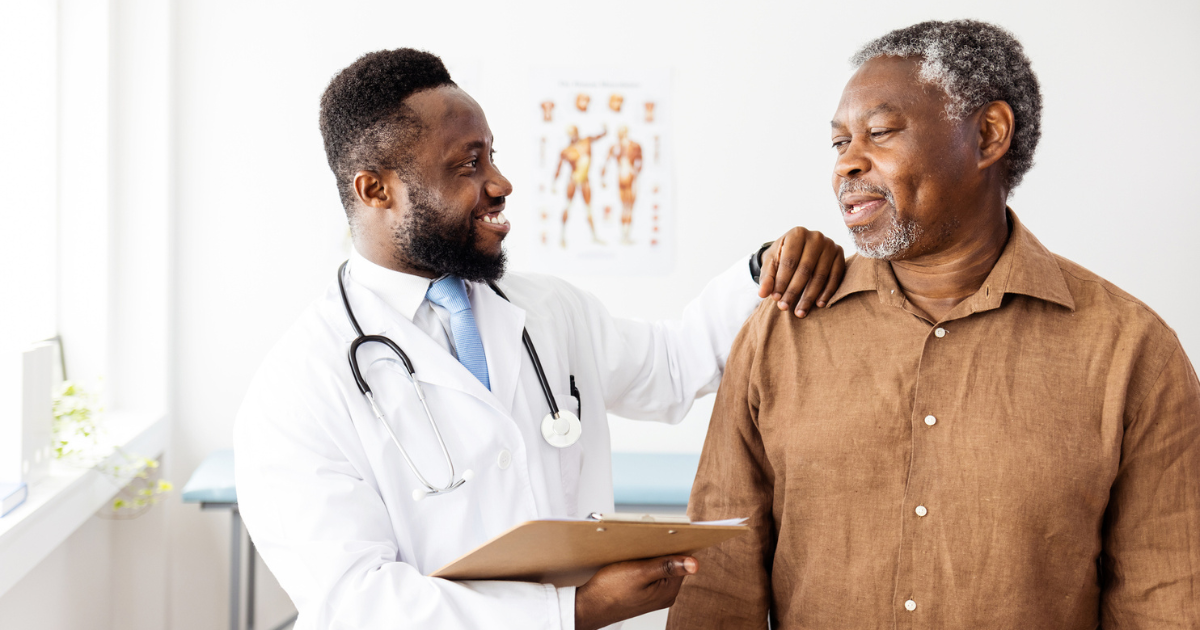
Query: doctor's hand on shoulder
{"points": [[628, 589], [802, 268]]}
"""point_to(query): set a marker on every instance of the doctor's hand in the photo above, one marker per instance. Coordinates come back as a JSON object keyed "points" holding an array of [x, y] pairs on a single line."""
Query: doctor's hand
{"points": [[628, 589], [802, 264]]}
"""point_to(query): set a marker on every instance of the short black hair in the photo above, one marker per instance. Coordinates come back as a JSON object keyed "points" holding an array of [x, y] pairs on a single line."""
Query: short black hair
{"points": [[975, 63], [365, 122]]}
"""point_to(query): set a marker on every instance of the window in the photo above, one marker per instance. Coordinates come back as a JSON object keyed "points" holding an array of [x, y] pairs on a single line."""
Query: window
{"points": [[28, 186]]}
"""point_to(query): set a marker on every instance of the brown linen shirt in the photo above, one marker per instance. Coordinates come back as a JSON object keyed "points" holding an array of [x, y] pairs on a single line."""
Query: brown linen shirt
{"points": [[1031, 461]]}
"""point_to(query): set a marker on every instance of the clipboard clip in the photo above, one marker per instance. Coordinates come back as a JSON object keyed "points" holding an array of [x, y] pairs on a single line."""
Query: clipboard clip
{"points": [[634, 517]]}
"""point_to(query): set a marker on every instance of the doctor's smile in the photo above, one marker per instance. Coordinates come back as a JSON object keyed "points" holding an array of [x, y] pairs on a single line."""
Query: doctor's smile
{"points": [[496, 221]]}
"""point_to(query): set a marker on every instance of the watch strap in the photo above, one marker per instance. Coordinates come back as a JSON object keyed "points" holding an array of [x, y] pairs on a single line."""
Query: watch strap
{"points": [[756, 261]]}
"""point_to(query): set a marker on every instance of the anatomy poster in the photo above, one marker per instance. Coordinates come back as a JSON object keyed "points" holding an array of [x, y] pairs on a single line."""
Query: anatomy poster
{"points": [[602, 172]]}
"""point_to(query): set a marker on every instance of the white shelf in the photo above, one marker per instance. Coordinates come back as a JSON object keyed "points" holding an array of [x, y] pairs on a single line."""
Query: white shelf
{"points": [[69, 496]]}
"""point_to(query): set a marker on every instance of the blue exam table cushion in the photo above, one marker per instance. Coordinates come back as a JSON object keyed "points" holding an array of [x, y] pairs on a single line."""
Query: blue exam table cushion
{"points": [[638, 478], [653, 478], [212, 481]]}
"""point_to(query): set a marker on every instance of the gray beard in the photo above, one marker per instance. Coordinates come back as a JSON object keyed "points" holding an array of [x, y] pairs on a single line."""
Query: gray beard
{"points": [[899, 236]]}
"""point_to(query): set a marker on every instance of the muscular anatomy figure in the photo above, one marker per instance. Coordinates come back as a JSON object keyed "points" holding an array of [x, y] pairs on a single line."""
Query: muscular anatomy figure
{"points": [[629, 165], [579, 155]]}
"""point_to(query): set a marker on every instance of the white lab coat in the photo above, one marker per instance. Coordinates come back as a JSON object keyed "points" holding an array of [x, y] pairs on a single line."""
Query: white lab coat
{"points": [[327, 497]]}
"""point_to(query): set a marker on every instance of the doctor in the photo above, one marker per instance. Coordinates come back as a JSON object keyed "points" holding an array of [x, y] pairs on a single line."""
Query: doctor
{"points": [[327, 474]]}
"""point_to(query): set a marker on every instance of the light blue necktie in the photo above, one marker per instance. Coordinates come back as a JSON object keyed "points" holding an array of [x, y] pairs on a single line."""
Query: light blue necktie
{"points": [[450, 293]]}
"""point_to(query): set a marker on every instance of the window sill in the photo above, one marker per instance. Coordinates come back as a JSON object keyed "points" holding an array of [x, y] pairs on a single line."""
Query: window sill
{"points": [[68, 497]]}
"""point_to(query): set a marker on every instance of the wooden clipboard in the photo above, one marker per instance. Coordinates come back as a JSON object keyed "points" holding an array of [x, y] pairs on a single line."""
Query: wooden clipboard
{"points": [[568, 553]]}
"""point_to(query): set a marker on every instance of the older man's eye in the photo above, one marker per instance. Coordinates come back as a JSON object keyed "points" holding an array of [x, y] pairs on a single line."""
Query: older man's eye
{"points": [[879, 133]]}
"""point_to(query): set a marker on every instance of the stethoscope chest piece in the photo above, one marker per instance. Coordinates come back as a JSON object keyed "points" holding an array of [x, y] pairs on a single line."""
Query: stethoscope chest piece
{"points": [[562, 431]]}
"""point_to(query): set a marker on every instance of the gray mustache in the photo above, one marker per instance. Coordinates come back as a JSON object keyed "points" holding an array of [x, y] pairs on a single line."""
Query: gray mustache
{"points": [[849, 186]]}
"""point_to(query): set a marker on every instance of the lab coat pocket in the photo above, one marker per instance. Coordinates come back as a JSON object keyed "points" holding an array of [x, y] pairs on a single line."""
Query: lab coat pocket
{"points": [[570, 459]]}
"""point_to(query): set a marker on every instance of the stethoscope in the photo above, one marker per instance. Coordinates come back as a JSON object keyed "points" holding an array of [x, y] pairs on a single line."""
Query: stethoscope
{"points": [[559, 428]]}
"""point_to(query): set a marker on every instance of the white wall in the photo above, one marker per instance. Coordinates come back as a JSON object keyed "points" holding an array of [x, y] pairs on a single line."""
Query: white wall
{"points": [[258, 229], [109, 574]]}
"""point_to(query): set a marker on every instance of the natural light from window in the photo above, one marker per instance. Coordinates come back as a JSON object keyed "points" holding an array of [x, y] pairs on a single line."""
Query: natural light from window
{"points": [[28, 182]]}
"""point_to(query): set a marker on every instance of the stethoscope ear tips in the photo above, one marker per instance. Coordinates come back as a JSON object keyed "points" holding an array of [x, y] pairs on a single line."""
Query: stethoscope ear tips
{"points": [[468, 475], [420, 494]]}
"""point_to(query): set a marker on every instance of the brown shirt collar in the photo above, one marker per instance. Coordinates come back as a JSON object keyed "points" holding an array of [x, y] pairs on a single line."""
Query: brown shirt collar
{"points": [[1025, 266]]}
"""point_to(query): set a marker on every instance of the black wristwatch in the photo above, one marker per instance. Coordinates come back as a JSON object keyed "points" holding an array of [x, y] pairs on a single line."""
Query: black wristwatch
{"points": [[756, 261]]}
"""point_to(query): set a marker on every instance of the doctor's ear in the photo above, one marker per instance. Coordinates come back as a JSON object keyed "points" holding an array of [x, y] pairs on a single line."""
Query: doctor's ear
{"points": [[374, 189]]}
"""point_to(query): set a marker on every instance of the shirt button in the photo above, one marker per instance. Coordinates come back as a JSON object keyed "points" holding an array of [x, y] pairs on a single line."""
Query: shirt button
{"points": [[930, 420], [504, 460], [910, 605], [921, 511], [940, 332]]}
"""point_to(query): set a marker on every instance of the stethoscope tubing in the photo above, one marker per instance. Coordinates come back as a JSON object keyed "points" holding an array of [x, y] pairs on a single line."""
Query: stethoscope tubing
{"points": [[363, 387]]}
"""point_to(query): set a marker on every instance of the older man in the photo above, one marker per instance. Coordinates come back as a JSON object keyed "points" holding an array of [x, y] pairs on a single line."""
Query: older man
{"points": [[977, 433]]}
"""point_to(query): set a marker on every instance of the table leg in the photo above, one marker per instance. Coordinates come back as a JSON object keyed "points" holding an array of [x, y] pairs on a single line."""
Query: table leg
{"points": [[235, 568], [250, 585]]}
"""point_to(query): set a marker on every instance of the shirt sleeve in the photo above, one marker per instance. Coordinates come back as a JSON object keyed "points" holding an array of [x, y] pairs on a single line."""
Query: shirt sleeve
{"points": [[1150, 564], [321, 526], [655, 370], [735, 480]]}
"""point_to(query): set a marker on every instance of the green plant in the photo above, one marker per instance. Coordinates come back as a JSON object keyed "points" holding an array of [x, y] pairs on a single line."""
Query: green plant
{"points": [[143, 490], [76, 434], [80, 439]]}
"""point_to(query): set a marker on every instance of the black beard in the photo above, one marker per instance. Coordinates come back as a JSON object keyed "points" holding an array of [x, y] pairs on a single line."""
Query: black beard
{"points": [[445, 247]]}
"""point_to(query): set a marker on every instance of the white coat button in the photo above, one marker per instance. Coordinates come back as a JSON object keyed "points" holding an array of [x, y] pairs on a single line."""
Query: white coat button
{"points": [[921, 511], [930, 420], [940, 332], [910, 605], [504, 460]]}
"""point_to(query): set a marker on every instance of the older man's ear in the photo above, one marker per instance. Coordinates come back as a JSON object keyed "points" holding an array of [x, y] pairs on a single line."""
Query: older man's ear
{"points": [[996, 126]]}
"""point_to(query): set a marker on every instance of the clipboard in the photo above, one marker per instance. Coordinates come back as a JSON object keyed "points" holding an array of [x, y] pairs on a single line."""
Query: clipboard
{"points": [[569, 552]]}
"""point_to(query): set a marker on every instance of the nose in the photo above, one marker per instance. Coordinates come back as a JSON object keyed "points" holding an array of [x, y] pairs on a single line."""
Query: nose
{"points": [[853, 162], [497, 184]]}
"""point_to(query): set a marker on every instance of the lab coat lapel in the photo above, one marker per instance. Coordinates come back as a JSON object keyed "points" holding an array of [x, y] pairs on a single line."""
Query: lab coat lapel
{"points": [[431, 362], [500, 324]]}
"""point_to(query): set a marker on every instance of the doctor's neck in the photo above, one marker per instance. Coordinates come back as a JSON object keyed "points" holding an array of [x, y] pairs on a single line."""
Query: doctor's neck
{"points": [[388, 256]]}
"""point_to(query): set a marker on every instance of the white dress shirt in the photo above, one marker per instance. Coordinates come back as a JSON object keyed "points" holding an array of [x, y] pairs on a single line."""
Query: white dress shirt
{"points": [[405, 293]]}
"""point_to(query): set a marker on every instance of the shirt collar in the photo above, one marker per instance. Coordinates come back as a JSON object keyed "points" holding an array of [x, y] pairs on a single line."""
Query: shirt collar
{"points": [[1025, 267], [403, 292]]}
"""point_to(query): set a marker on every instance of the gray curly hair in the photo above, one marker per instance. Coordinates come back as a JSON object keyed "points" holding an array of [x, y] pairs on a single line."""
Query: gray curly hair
{"points": [[974, 63]]}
